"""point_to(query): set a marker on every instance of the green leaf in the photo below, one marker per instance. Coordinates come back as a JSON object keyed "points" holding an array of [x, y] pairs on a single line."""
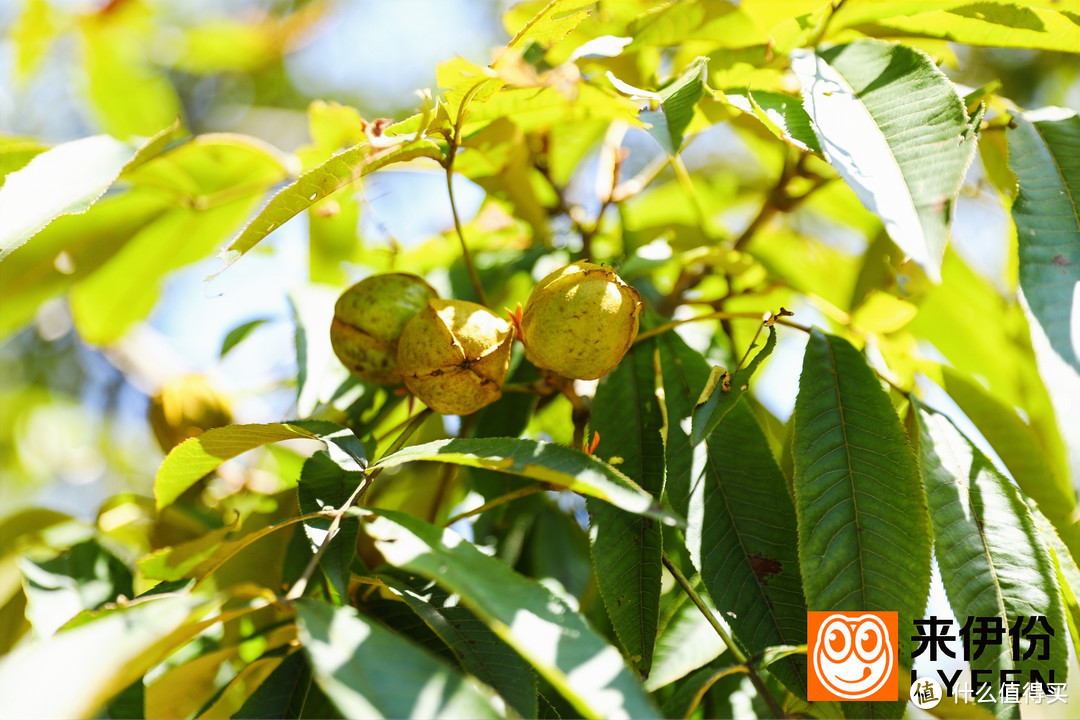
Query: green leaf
{"points": [[195, 457], [1044, 154], [724, 391], [993, 561], [289, 692], [677, 102], [369, 671], [238, 334], [97, 659], [742, 536], [690, 692], [180, 561], [325, 485], [555, 464], [539, 625], [69, 249], [1043, 477], [480, 651], [894, 128], [864, 535], [993, 24], [340, 170], [626, 547], [83, 577], [129, 95], [16, 152], [685, 374], [67, 180], [686, 643], [782, 115], [550, 25]]}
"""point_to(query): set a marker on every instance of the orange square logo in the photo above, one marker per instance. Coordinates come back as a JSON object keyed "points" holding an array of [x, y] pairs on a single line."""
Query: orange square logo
{"points": [[852, 656]]}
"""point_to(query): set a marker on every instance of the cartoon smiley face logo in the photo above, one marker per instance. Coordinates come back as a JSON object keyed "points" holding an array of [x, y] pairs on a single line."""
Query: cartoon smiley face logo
{"points": [[852, 656]]}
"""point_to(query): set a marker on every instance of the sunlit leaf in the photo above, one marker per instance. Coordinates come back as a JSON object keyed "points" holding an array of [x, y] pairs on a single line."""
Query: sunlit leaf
{"points": [[993, 562], [83, 577], [539, 625], [993, 24], [32, 34], [550, 25], [626, 547], [892, 125], [782, 115], [370, 671], [315, 184], [195, 457], [555, 464], [687, 642], [97, 659], [66, 180], [677, 102], [1042, 476], [864, 540], [724, 390], [130, 96], [477, 648], [742, 536], [1044, 153]]}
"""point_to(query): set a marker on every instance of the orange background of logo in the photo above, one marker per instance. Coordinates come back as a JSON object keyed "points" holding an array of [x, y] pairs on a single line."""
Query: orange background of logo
{"points": [[819, 684]]}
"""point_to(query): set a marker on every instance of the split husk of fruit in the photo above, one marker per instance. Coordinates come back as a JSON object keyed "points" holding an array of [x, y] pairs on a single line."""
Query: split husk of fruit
{"points": [[453, 356], [368, 320]]}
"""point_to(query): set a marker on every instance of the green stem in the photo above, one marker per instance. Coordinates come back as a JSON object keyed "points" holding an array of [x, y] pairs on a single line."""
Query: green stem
{"points": [[736, 651], [501, 500]]}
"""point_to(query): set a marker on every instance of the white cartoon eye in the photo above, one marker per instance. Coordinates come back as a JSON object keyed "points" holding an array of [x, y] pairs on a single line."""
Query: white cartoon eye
{"points": [[870, 640], [837, 640]]}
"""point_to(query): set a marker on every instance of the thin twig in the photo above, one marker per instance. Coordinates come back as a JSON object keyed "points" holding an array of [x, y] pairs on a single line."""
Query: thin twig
{"points": [[501, 500], [659, 329], [451, 153], [298, 588], [736, 651]]}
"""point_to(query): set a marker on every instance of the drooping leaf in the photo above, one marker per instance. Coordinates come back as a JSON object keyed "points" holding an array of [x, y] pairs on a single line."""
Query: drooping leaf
{"points": [[864, 535], [724, 392], [67, 180], [97, 659], [538, 624], [555, 464], [1044, 154], [480, 652], [325, 485], [677, 102], [742, 536], [993, 561], [369, 671], [289, 692], [337, 172], [626, 547], [892, 125], [685, 373], [1042, 476], [195, 457], [182, 690]]}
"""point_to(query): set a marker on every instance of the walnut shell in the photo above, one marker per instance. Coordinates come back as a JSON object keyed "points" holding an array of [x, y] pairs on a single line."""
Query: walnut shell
{"points": [[580, 320], [368, 320], [454, 355]]}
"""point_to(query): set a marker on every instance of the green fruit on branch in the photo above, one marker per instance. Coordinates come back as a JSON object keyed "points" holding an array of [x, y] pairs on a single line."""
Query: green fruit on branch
{"points": [[184, 407], [368, 320], [454, 355], [579, 321]]}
